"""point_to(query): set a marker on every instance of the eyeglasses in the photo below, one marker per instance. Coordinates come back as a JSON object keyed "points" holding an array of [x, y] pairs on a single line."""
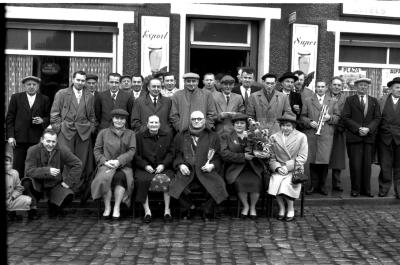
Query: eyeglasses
{"points": [[197, 119]]}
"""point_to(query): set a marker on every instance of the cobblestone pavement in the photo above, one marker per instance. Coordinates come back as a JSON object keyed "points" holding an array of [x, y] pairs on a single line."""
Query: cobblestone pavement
{"points": [[326, 235]]}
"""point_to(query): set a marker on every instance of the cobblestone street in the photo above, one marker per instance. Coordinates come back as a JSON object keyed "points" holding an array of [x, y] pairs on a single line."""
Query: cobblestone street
{"points": [[326, 235]]}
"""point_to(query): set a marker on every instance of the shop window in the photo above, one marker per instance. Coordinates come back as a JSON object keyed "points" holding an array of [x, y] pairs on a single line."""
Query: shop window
{"points": [[93, 41], [220, 32], [17, 39], [356, 54], [55, 40], [394, 56]]}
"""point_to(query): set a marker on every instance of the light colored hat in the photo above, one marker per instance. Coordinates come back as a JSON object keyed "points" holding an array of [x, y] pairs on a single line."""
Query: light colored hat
{"points": [[31, 77], [288, 116], [191, 75], [363, 79]]}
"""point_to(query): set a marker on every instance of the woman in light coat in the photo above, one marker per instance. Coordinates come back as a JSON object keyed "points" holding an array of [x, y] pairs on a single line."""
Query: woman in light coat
{"points": [[114, 150], [289, 152]]}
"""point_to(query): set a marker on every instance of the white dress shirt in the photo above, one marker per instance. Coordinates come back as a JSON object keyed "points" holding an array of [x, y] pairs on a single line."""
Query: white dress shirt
{"points": [[31, 99], [243, 91], [395, 100], [78, 94]]}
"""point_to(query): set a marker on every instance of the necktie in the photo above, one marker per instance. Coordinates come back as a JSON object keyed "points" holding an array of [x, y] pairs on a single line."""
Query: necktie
{"points": [[155, 102], [227, 100], [321, 101], [114, 96], [362, 102], [246, 96], [78, 96]]}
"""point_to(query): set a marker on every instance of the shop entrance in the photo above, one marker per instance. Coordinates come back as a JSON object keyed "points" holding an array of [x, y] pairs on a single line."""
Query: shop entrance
{"points": [[217, 61]]}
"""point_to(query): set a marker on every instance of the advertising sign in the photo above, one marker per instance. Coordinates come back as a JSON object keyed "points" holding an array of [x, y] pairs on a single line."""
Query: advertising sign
{"points": [[349, 75], [155, 32]]}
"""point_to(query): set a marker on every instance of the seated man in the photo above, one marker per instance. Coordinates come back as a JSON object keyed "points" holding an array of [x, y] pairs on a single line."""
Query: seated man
{"points": [[52, 170], [197, 161]]}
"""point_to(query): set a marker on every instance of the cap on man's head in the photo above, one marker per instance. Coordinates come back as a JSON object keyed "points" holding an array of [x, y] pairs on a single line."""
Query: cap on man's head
{"points": [[191, 75], [227, 79], [119, 112], [125, 76], [363, 79], [268, 75], [31, 77], [92, 76]]}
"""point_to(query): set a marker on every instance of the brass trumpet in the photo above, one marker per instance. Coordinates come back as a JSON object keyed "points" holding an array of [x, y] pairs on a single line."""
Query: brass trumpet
{"points": [[321, 122]]}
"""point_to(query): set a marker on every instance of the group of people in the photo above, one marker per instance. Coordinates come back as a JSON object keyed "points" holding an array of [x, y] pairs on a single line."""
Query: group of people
{"points": [[142, 133]]}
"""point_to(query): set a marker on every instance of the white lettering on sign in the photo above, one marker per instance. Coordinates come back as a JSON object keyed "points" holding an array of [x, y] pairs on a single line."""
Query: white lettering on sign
{"points": [[350, 69], [395, 71], [147, 34], [304, 43]]}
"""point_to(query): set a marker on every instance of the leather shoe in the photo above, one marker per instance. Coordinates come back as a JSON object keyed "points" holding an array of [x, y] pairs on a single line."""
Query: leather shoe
{"points": [[253, 217], [354, 194], [186, 215], [114, 218], [147, 219], [280, 217], [310, 191], [398, 196], [339, 189], [243, 216], [323, 192], [368, 195], [382, 194], [33, 214], [167, 218], [289, 219]]}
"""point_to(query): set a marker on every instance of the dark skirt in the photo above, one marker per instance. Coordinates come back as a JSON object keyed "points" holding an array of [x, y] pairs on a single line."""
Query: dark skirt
{"points": [[142, 183], [248, 181]]}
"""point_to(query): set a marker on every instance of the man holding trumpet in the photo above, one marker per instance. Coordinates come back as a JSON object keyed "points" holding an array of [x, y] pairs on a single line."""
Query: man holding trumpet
{"points": [[319, 115]]}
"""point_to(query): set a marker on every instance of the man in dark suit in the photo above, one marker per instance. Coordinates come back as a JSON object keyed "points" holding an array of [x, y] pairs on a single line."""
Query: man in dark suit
{"points": [[113, 98], [91, 84], [137, 86], [247, 88], [72, 117], [389, 140], [151, 104], [287, 81], [361, 116], [28, 115]]}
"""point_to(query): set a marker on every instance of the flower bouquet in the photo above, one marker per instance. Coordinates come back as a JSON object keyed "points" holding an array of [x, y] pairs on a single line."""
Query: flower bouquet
{"points": [[258, 142]]}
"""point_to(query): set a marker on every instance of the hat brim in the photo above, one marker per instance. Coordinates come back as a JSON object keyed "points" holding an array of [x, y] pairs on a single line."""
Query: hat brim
{"points": [[33, 79], [280, 120], [392, 83], [288, 76]]}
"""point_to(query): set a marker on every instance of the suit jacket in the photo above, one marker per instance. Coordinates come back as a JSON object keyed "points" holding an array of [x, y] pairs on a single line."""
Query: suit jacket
{"points": [[143, 93], [233, 155], [267, 112], [295, 99], [353, 118], [253, 89], [84, 124], [236, 104], [389, 128], [104, 104], [19, 118], [143, 108]]}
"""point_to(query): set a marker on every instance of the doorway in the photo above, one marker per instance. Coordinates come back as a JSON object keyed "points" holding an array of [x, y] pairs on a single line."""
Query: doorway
{"points": [[217, 61]]}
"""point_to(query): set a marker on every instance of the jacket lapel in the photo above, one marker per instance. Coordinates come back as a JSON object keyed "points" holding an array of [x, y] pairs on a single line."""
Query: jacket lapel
{"points": [[25, 102], [159, 103], [279, 141], [315, 102]]}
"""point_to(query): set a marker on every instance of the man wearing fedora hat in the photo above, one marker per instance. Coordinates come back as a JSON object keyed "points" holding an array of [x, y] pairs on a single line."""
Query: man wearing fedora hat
{"points": [[268, 104], [287, 81], [190, 99], [27, 116], [361, 116], [389, 140]]}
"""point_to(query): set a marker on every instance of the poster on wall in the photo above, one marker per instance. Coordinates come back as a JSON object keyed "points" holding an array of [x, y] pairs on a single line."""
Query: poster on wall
{"points": [[349, 75], [305, 49], [154, 44], [388, 75]]}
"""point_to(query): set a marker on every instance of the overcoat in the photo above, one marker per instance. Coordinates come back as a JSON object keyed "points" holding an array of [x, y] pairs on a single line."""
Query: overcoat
{"points": [[319, 146], [184, 102], [293, 150], [194, 160], [37, 168], [233, 156], [236, 104], [15, 201], [144, 108], [110, 145], [19, 118], [267, 112], [338, 154], [391, 132]]}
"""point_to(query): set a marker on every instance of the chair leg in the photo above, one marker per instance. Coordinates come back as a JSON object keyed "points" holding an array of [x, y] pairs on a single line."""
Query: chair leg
{"points": [[237, 207], [98, 209], [302, 203]]}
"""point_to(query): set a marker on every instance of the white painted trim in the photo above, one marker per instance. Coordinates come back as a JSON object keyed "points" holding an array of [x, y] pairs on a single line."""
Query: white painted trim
{"points": [[336, 53], [119, 17], [368, 65], [363, 27], [59, 53], [264, 15]]}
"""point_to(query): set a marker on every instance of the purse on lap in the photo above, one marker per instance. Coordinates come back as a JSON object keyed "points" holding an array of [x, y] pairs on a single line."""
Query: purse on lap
{"points": [[160, 183], [298, 176]]}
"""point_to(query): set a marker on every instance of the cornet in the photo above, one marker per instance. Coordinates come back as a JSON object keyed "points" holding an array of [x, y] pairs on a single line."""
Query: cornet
{"points": [[321, 122]]}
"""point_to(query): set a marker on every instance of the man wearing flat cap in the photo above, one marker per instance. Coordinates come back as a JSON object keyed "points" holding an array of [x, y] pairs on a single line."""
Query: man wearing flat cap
{"points": [[190, 99], [389, 140], [361, 116], [27, 116], [268, 104], [227, 104], [91, 83]]}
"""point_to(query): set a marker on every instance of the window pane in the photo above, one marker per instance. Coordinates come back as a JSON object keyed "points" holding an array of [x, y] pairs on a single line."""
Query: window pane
{"points": [[54, 40], [394, 56], [93, 41], [17, 39], [220, 31], [356, 54]]}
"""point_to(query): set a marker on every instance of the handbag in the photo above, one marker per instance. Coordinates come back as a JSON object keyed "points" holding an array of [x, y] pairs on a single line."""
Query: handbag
{"points": [[160, 183], [298, 176]]}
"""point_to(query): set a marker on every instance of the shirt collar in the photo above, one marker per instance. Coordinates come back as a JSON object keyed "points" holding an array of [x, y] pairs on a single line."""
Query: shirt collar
{"points": [[76, 91], [30, 96], [116, 93]]}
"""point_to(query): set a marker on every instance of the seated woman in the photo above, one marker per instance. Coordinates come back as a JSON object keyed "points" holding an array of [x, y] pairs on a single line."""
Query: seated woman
{"points": [[242, 169], [154, 155], [289, 149], [114, 150]]}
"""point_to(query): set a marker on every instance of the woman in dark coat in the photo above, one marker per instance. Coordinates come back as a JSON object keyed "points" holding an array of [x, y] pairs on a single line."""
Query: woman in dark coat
{"points": [[114, 150], [242, 169], [153, 156]]}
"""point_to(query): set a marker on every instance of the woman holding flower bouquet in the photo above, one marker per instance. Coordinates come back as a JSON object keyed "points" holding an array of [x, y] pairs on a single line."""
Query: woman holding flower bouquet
{"points": [[243, 166], [289, 152]]}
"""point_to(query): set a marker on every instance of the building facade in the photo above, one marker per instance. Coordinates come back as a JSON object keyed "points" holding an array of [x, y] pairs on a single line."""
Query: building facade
{"points": [[54, 40]]}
